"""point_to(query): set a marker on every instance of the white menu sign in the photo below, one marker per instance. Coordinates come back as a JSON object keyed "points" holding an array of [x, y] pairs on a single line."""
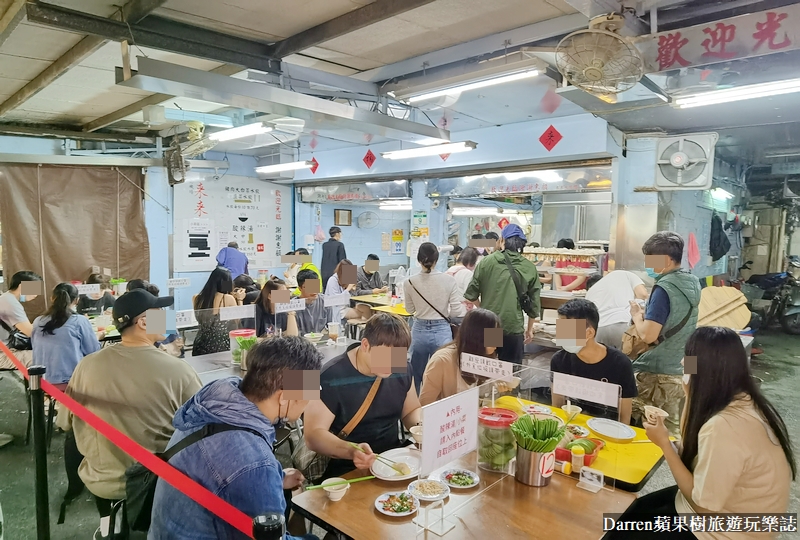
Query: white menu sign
{"points": [[486, 367], [237, 312], [88, 288], [586, 389], [185, 318], [332, 300], [449, 430], [178, 283], [296, 304]]}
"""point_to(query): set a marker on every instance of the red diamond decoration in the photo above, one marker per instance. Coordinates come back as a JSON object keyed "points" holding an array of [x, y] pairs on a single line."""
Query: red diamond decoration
{"points": [[444, 156], [315, 166], [369, 159], [550, 138], [313, 144]]}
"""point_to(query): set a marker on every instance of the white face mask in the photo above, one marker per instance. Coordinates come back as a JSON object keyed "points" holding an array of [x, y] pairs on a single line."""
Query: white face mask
{"points": [[686, 378], [574, 349]]}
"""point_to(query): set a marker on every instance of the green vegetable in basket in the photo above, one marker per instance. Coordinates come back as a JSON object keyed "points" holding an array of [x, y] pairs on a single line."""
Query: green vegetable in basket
{"points": [[588, 445], [537, 435], [246, 343]]}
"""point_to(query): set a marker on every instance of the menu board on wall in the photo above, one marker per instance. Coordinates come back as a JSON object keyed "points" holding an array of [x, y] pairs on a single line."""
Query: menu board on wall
{"points": [[211, 212]]}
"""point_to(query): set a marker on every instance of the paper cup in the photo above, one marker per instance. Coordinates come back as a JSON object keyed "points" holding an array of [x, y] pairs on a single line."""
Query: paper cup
{"points": [[416, 432], [335, 493], [571, 410], [652, 413]]}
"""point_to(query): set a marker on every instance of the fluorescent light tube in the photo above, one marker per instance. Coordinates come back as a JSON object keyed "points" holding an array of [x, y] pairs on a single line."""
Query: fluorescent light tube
{"points": [[738, 94], [240, 132], [474, 85], [720, 194], [282, 167], [439, 149], [474, 211]]}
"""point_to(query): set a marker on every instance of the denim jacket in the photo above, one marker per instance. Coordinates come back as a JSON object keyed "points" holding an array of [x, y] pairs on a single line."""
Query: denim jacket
{"points": [[237, 466]]}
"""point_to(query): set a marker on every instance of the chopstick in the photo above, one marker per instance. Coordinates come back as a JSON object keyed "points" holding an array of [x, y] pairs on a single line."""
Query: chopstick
{"points": [[385, 461], [340, 483]]}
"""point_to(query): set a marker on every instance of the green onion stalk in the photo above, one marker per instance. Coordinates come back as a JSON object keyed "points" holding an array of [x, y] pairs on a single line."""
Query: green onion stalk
{"points": [[535, 435]]}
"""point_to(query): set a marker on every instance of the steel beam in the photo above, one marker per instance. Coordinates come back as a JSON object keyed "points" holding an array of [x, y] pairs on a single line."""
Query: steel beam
{"points": [[155, 99], [57, 133], [362, 17], [160, 34], [133, 11], [110, 161], [11, 14], [156, 76], [595, 8], [479, 47]]}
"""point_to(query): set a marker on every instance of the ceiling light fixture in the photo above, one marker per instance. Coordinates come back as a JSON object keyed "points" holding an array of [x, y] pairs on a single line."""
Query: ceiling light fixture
{"points": [[283, 167], [240, 132], [782, 154], [390, 207], [474, 85], [738, 94], [720, 194], [479, 211], [439, 149]]}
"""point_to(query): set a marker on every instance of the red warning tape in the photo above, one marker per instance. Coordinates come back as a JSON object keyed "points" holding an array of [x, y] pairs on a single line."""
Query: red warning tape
{"points": [[199, 494]]}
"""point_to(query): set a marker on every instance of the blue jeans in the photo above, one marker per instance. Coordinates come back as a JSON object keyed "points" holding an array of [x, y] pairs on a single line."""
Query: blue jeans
{"points": [[426, 337]]}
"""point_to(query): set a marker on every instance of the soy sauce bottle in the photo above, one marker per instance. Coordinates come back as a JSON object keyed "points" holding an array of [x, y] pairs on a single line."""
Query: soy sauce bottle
{"points": [[269, 527], [394, 289]]}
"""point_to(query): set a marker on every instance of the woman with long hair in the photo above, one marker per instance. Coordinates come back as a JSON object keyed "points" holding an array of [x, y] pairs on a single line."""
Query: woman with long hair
{"points": [[217, 293], [735, 455], [336, 285], [443, 376], [267, 321], [94, 304], [434, 300], [61, 337]]}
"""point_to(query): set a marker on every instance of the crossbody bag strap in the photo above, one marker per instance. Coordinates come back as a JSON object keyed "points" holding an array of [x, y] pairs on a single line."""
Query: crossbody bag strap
{"points": [[205, 431], [443, 316], [362, 411], [514, 275], [678, 327]]}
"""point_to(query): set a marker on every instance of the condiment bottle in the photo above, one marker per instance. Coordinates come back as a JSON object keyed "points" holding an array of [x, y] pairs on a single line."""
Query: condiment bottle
{"points": [[578, 454], [564, 467]]}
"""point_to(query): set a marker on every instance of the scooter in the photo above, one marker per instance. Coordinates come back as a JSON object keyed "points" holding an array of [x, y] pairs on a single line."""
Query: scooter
{"points": [[783, 291]]}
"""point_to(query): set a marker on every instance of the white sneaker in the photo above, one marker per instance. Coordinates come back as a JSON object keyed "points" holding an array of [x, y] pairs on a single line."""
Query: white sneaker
{"points": [[98, 535]]}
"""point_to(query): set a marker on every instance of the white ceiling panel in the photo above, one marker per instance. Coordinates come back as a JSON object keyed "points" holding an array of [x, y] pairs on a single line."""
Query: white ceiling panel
{"points": [[38, 42], [16, 67], [100, 80], [101, 8]]}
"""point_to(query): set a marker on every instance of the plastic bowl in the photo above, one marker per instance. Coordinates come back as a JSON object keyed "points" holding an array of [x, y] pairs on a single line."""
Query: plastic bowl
{"points": [[335, 493], [416, 432]]}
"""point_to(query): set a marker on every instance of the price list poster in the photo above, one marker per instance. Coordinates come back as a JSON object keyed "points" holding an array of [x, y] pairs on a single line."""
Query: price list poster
{"points": [[210, 213]]}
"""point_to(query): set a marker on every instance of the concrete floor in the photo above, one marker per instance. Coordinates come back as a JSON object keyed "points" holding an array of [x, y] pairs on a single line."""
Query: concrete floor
{"points": [[779, 366]]}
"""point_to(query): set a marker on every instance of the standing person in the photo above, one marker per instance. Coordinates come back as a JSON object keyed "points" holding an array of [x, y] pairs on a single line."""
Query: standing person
{"points": [[290, 274], [667, 322], [308, 266], [212, 335], [234, 260], [612, 294], [332, 254], [315, 317], [267, 321], [735, 456], [346, 383], [16, 327], [336, 286], [136, 388], [433, 299], [493, 287], [61, 337], [463, 270], [443, 376], [252, 480], [491, 235], [97, 303], [566, 282], [369, 282]]}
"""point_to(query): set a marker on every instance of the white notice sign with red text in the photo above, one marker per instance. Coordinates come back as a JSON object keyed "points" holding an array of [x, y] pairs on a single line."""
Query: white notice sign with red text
{"points": [[586, 389], [449, 430], [486, 367]]}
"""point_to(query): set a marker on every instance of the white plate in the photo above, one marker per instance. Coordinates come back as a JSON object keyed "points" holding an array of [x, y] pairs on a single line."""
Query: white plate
{"points": [[410, 456], [538, 409], [412, 488], [382, 498], [612, 430], [471, 474]]}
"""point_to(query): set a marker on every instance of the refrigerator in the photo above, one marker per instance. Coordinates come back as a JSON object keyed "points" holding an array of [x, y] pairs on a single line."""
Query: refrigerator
{"points": [[580, 216]]}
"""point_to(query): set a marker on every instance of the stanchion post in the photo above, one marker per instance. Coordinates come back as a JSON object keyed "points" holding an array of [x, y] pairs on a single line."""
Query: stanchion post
{"points": [[269, 527], [40, 452]]}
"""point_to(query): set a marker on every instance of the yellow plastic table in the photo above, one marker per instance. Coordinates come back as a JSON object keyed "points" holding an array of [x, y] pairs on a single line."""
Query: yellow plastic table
{"points": [[630, 464], [373, 299], [399, 309]]}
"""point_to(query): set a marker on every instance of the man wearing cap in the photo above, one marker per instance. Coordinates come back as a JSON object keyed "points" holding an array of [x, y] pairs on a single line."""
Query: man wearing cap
{"points": [[493, 288], [133, 386]]}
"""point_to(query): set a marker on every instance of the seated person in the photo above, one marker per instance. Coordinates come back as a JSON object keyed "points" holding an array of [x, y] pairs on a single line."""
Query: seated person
{"points": [[315, 317], [567, 282], [336, 285], [250, 288], [13, 319], [133, 386], [370, 282], [308, 266], [267, 321], [582, 356], [251, 478], [612, 295], [346, 382], [443, 376], [95, 304]]}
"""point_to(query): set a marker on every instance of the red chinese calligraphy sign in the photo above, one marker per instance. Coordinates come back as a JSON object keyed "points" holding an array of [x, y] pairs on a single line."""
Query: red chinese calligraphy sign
{"points": [[669, 50], [369, 159], [767, 32], [718, 38], [550, 138]]}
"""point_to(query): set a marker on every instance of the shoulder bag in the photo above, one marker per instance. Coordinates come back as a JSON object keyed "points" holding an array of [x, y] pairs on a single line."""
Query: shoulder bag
{"points": [[140, 482], [16, 339], [453, 325], [312, 464], [524, 299], [633, 346]]}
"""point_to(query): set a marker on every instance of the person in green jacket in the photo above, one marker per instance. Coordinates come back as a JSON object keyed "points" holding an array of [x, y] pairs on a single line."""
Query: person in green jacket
{"points": [[493, 288], [307, 266], [667, 322]]}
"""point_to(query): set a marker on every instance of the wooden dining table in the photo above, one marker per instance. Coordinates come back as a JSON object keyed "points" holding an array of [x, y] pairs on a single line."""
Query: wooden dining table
{"points": [[499, 507]]}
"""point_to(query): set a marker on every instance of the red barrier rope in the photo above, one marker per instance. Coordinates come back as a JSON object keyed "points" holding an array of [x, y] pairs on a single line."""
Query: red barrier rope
{"points": [[199, 494]]}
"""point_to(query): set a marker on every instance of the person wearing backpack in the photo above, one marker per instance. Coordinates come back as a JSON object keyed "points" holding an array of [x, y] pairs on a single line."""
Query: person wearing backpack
{"points": [[507, 284]]}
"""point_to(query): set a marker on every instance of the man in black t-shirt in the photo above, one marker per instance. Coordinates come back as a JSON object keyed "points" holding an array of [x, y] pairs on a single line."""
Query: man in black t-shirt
{"points": [[346, 381], [582, 356]]}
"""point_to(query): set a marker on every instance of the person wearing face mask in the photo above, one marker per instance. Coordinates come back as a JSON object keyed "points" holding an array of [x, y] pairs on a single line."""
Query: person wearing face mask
{"points": [[582, 356], [251, 478], [667, 322], [15, 328], [346, 384], [61, 337], [133, 386]]}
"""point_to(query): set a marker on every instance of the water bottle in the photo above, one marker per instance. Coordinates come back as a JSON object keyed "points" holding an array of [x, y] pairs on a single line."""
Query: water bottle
{"points": [[269, 527]]}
